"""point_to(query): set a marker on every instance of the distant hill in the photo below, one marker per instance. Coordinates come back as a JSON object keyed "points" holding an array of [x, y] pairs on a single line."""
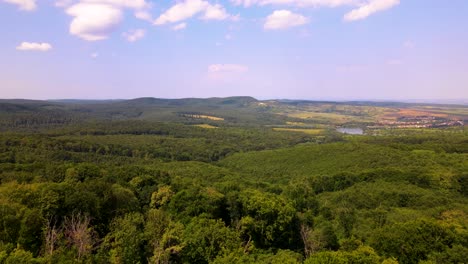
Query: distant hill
{"points": [[216, 111], [231, 110]]}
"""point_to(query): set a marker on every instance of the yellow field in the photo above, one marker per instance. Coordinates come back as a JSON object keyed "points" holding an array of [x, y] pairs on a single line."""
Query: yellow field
{"points": [[205, 117], [330, 117], [310, 131], [295, 123], [205, 126]]}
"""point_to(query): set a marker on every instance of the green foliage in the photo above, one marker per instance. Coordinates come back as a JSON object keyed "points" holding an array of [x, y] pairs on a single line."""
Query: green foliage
{"points": [[125, 239], [281, 257], [364, 255], [455, 254], [165, 237], [413, 241], [268, 219], [205, 239], [196, 200], [103, 184], [21, 256], [161, 197]]}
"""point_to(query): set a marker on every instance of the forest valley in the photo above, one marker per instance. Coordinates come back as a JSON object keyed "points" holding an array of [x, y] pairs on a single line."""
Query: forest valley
{"points": [[232, 180]]}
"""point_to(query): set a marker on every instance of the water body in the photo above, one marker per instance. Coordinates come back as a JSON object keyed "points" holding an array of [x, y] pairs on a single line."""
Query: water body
{"points": [[351, 130]]}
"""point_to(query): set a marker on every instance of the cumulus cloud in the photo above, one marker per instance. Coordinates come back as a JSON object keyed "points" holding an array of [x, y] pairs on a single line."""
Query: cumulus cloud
{"points": [[181, 11], [189, 8], [227, 68], [364, 8], [34, 46], [27, 5], [370, 8], [215, 12], [282, 19], [134, 35], [179, 26], [300, 3], [95, 19]]}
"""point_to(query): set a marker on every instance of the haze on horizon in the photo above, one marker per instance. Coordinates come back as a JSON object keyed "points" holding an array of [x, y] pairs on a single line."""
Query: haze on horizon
{"points": [[268, 49]]}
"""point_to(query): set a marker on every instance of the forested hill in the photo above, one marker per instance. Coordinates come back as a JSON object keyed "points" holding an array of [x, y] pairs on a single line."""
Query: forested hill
{"points": [[231, 110], [232, 180], [66, 104]]}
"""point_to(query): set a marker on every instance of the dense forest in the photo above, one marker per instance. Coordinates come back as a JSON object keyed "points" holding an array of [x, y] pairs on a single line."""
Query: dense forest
{"points": [[211, 181]]}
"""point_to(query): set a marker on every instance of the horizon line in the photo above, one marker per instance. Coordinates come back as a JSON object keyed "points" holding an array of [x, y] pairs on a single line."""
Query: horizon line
{"points": [[463, 101]]}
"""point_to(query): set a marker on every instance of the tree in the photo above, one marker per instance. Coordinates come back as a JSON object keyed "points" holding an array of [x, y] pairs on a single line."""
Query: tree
{"points": [[21, 256], [362, 255], [126, 239], [161, 197], [346, 219], [52, 235], [79, 234], [269, 219], [318, 239], [30, 235], [412, 241], [165, 237], [207, 238]]}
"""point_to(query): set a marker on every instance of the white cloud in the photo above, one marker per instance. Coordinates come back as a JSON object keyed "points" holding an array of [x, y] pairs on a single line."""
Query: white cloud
{"points": [[370, 8], [228, 37], [189, 8], [364, 8], [94, 55], [282, 19], [180, 26], [181, 11], [34, 46], [93, 21], [27, 5], [215, 12], [227, 68], [300, 3], [144, 15], [134, 35], [133, 4]]}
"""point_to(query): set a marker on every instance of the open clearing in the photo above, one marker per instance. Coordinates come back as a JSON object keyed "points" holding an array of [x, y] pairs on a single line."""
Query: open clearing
{"points": [[310, 131], [205, 126]]}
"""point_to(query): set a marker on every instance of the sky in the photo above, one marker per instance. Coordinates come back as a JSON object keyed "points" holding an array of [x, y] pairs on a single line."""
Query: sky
{"points": [[268, 49]]}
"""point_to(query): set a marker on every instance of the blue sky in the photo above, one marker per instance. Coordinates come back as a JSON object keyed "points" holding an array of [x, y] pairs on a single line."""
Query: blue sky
{"points": [[298, 49]]}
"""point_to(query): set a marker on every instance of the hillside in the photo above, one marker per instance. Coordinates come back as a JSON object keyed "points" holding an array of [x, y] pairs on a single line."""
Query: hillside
{"points": [[232, 180]]}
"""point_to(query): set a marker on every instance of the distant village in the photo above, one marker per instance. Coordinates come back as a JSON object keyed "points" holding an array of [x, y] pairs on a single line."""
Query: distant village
{"points": [[419, 122]]}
